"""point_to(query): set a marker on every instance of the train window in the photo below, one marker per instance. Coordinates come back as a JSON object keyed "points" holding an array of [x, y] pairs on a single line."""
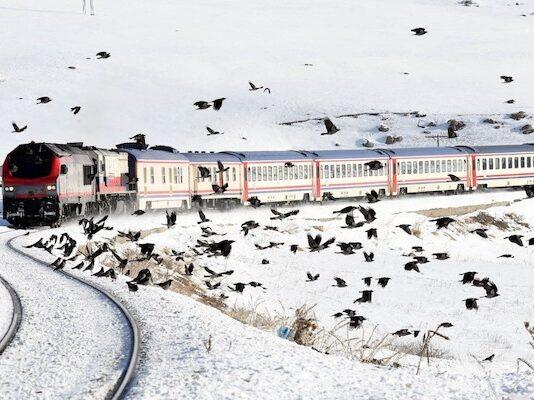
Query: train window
{"points": [[503, 163], [510, 162], [414, 167], [275, 173], [163, 176], [286, 173], [338, 171], [290, 175], [301, 172], [260, 174], [360, 170], [529, 162], [326, 172], [144, 175], [355, 170], [87, 174], [264, 173], [227, 175], [408, 167], [516, 162], [343, 171], [432, 166], [234, 175], [306, 172], [252, 173], [490, 163], [280, 172], [484, 164], [365, 171], [497, 163], [152, 175], [269, 173], [454, 166], [522, 162], [332, 175], [427, 167]]}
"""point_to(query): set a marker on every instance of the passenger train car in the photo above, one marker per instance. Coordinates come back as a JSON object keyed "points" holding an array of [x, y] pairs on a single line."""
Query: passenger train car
{"points": [[45, 183]]}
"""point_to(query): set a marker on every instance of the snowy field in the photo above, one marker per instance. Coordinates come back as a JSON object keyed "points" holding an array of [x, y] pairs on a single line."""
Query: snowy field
{"points": [[410, 300], [319, 59]]}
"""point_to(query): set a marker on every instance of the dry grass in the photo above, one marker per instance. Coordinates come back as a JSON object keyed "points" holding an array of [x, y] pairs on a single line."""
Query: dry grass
{"points": [[484, 219], [462, 210], [528, 363]]}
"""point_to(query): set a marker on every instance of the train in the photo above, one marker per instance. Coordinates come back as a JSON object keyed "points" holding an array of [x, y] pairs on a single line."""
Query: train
{"points": [[47, 183]]}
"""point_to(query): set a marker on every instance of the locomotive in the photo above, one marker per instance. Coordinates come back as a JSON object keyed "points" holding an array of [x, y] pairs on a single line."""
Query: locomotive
{"points": [[46, 183]]}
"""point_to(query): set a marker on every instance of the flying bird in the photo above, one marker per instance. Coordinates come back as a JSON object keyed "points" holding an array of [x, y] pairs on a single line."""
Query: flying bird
{"points": [[405, 228], [506, 79], [443, 222], [515, 239], [102, 55], [419, 31], [212, 132], [43, 100], [453, 178], [17, 129], [383, 282], [76, 109], [480, 232], [340, 282], [312, 278], [281, 216], [471, 303]]}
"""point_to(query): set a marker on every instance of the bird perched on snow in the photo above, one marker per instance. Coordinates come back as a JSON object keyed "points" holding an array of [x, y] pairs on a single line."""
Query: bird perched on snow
{"points": [[405, 228], [103, 55], [402, 332], [355, 321], [471, 303], [138, 212], [367, 280], [43, 100], [443, 222], [132, 287], [368, 213], [171, 218], [248, 226], [254, 202], [17, 129], [411, 266], [441, 256], [330, 127], [419, 31]]}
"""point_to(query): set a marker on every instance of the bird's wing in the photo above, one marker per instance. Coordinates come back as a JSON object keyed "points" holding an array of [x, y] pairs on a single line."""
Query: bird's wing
{"points": [[328, 124], [252, 86], [276, 212], [210, 130], [220, 165], [202, 215], [311, 241]]}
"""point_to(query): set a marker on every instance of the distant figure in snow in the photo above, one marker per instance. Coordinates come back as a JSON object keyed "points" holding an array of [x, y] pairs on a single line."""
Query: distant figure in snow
{"points": [[91, 6]]}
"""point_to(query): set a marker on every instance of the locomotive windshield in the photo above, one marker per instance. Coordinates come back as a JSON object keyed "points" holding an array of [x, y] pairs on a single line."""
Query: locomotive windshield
{"points": [[31, 161]]}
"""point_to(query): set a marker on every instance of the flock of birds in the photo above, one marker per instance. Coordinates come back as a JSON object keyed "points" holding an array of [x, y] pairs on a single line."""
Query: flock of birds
{"points": [[211, 244]]}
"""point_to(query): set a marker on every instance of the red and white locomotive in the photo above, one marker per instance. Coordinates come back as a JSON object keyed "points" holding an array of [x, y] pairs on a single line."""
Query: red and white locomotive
{"points": [[46, 183]]}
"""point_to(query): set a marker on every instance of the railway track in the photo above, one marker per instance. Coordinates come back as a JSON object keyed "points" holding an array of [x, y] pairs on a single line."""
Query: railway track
{"points": [[132, 357], [16, 316]]}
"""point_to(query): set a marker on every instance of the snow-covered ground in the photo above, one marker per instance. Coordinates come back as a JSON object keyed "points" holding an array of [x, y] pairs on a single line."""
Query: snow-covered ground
{"points": [[175, 329], [71, 342], [167, 54], [6, 310]]}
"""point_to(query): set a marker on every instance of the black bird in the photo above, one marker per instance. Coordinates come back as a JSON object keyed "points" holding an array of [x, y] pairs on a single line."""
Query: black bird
{"points": [[337, 315], [59, 263], [131, 236], [374, 165], [372, 197], [189, 269], [330, 127], [368, 213], [515, 239], [146, 248], [480, 232], [211, 286], [204, 172], [265, 261], [506, 256], [471, 303], [311, 277], [139, 138], [366, 296], [346, 248], [351, 222], [76, 109], [510, 101], [419, 31], [383, 282], [402, 332], [367, 280], [269, 246], [219, 189], [132, 287], [411, 266], [222, 248], [43, 100], [203, 218], [467, 277], [441, 256], [345, 210], [443, 222], [369, 257], [17, 129], [248, 226], [293, 248], [417, 249], [289, 164], [221, 168], [202, 105], [506, 79], [254, 87], [212, 274], [122, 261], [102, 55], [212, 132], [138, 212], [405, 228], [267, 90], [421, 259], [531, 241], [238, 287], [254, 202], [340, 282], [490, 288], [316, 245], [270, 228], [489, 359], [280, 216], [372, 233], [454, 178], [355, 321], [217, 103], [100, 273], [171, 218]]}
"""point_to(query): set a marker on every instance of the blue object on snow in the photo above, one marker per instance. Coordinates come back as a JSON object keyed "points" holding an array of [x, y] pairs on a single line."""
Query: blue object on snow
{"points": [[284, 332]]}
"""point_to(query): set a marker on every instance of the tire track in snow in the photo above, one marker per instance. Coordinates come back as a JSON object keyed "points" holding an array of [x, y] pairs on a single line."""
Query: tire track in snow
{"points": [[16, 316]]}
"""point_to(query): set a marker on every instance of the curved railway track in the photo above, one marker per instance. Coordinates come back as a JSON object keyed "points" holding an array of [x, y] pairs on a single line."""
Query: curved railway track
{"points": [[16, 316], [130, 368]]}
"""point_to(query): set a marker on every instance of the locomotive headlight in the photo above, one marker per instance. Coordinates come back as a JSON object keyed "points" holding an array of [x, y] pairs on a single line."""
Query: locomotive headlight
{"points": [[51, 187], [9, 188]]}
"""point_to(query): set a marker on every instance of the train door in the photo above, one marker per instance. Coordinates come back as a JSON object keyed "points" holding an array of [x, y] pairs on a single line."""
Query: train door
{"points": [[244, 185], [392, 176], [316, 180], [472, 172]]}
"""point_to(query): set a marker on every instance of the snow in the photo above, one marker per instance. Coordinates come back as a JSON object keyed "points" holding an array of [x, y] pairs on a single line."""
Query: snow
{"points": [[165, 55], [71, 341], [6, 310], [245, 361]]}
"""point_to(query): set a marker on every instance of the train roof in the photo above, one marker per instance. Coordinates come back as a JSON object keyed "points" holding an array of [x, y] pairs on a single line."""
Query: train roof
{"points": [[286, 155], [156, 155], [428, 151], [199, 157], [349, 154], [512, 148]]}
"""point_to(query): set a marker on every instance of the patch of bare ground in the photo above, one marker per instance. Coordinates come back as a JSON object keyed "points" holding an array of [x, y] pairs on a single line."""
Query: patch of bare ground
{"points": [[462, 210], [510, 220]]}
